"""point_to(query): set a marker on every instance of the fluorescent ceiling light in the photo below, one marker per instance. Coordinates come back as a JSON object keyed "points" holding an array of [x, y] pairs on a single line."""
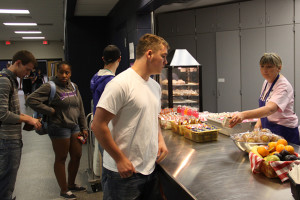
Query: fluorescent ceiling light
{"points": [[28, 32], [34, 38], [20, 24], [13, 11]]}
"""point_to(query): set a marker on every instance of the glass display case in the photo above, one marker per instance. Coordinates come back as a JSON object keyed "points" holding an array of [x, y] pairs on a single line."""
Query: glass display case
{"points": [[181, 86]]}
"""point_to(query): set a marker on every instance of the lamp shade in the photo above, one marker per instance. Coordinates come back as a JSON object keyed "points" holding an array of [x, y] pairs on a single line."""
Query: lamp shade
{"points": [[182, 57]]}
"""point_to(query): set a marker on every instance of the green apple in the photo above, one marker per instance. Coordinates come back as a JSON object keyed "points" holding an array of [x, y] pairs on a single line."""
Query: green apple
{"points": [[272, 158]]}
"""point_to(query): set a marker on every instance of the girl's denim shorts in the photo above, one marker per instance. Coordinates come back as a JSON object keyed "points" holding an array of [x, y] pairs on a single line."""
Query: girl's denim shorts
{"points": [[55, 131]]}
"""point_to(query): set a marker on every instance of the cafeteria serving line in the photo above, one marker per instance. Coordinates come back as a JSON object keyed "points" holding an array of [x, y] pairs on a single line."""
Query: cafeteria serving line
{"points": [[215, 170]]}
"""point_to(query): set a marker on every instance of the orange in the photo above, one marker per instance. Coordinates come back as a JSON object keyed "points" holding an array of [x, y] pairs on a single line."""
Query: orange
{"points": [[290, 149], [279, 147], [282, 141], [263, 151], [272, 146]]}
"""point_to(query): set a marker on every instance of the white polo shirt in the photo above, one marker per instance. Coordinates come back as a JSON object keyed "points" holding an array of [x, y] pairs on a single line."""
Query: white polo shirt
{"points": [[136, 105]]}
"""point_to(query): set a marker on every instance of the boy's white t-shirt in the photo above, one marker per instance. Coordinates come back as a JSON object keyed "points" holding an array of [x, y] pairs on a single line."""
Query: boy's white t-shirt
{"points": [[136, 105]]}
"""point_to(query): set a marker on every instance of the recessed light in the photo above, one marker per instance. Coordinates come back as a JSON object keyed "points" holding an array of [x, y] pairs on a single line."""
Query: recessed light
{"points": [[20, 24], [34, 38], [14, 11], [28, 32]]}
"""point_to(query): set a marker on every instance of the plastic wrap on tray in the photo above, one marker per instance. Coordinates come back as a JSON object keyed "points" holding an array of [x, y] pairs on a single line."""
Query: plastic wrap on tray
{"points": [[256, 136], [166, 119], [181, 122]]}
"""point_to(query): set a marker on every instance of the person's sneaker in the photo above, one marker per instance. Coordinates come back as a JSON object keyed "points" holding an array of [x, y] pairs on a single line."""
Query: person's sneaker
{"points": [[68, 195]]}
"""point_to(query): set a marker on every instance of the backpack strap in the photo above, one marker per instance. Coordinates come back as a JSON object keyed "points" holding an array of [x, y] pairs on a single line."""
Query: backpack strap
{"points": [[73, 86], [52, 91]]}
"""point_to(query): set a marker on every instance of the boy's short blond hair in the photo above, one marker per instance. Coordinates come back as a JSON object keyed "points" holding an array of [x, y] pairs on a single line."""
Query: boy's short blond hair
{"points": [[149, 42]]}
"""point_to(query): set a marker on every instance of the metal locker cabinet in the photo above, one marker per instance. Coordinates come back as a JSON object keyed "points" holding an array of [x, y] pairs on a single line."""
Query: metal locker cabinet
{"points": [[252, 14], [206, 20], [206, 55], [279, 12], [297, 69], [186, 42], [185, 22], [228, 17], [297, 11], [166, 24], [228, 71], [280, 39], [252, 48]]}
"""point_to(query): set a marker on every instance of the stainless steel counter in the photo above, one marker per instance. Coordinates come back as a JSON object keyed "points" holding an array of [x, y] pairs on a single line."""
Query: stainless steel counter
{"points": [[218, 170]]}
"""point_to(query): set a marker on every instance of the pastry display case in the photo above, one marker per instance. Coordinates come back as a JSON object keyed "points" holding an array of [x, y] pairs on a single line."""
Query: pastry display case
{"points": [[181, 86]]}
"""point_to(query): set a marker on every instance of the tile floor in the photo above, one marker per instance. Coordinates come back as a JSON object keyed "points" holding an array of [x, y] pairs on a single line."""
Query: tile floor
{"points": [[36, 179]]}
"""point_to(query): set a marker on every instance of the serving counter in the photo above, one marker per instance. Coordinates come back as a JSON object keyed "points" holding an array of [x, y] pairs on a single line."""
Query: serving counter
{"points": [[215, 170]]}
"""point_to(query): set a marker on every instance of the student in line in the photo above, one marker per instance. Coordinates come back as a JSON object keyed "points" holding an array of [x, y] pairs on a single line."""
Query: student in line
{"points": [[66, 121], [11, 120], [134, 144]]}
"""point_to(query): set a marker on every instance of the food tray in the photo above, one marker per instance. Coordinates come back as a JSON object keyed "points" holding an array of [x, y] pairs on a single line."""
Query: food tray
{"points": [[177, 128], [203, 136], [239, 128]]}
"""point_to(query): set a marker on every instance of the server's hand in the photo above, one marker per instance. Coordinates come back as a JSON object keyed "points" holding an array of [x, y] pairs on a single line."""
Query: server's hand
{"points": [[236, 118]]}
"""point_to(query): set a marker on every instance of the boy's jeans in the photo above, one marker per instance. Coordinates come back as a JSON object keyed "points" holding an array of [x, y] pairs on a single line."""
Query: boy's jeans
{"points": [[10, 157], [137, 187]]}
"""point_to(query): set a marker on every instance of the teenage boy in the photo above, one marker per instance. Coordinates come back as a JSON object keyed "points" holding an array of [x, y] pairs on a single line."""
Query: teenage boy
{"points": [[11, 120], [135, 143]]}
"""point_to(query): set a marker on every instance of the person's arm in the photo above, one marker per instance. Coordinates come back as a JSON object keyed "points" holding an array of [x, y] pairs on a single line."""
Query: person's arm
{"points": [[258, 124], [162, 147], [36, 100], [261, 112], [30, 120], [8, 116], [100, 128]]}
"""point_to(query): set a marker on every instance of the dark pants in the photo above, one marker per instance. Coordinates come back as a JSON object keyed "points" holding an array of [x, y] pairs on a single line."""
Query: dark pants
{"points": [[10, 157], [136, 187]]}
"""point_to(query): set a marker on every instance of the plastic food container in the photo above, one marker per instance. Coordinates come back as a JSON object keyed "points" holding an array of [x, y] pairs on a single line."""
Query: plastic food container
{"points": [[239, 128], [205, 135], [165, 124], [177, 128]]}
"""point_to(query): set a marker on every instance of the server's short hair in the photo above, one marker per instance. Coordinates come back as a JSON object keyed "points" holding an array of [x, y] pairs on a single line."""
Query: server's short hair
{"points": [[270, 58]]}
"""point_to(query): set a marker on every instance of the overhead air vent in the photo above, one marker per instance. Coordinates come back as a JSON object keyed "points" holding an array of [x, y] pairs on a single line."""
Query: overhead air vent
{"points": [[23, 17], [45, 24], [15, 38]]}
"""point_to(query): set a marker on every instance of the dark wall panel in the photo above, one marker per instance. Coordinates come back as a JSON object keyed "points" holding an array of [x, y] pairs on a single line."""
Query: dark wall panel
{"points": [[86, 37]]}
